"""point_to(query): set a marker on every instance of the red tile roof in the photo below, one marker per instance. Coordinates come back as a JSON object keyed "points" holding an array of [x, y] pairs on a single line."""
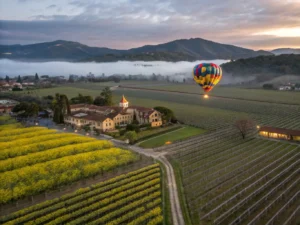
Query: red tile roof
{"points": [[89, 116], [123, 100]]}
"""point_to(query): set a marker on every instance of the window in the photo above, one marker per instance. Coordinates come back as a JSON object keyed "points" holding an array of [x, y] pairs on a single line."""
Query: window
{"points": [[98, 124], [109, 124], [155, 120], [155, 114]]}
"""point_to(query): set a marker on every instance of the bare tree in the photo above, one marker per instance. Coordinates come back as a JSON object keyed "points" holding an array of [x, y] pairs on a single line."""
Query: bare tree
{"points": [[244, 126]]}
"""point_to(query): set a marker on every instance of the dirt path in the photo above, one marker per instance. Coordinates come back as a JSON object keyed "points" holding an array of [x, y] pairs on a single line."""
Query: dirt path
{"points": [[177, 216]]}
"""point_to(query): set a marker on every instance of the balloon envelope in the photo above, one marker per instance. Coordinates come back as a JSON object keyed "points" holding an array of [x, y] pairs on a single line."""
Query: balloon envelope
{"points": [[207, 75]]}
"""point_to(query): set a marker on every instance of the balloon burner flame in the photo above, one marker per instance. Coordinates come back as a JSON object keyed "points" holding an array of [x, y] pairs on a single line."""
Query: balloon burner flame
{"points": [[206, 96]]}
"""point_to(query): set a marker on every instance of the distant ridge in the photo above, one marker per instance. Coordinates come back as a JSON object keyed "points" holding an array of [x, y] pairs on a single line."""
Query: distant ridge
{"points": [[281, 51], [286, 64], [178, 50]]}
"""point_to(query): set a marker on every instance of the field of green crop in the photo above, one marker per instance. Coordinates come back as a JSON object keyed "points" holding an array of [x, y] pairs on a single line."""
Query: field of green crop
{"points": [[292, 97], [209, 114], [69, 91], [179, 134], [101, 85], [132, 198], [215, 113], [228, 180]]}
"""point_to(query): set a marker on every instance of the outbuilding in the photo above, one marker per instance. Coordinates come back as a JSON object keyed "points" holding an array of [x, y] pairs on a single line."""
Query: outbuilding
{"points": [[279, 133]]}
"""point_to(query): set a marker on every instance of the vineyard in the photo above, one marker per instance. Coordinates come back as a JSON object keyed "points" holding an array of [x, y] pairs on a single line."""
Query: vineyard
{"points": [[132, 198], [217, 113], [36, 159], [228, 180]]}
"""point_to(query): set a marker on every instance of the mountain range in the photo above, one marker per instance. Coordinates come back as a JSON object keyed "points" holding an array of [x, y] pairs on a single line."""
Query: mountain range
{"points": [[178, 50]]}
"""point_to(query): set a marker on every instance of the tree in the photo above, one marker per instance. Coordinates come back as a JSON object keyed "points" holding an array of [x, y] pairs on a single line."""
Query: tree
{"points": [[80, 99], [36, 78], [87, 128], [135, 121], [7, 79], [116, 79], [33, 109], [244, 126], [107, 95], [19, 80], [26, 109], [61, 107], [100, 101], [21, 107], [131, 136], [167, 114], [133, 127], [268, 86]]}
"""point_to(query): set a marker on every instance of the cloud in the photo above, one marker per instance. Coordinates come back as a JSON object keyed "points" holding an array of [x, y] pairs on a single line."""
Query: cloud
{"points": [[51, 6], [132, 23]]}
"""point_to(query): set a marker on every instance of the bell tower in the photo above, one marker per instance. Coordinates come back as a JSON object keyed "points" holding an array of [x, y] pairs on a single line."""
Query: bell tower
{"points": [[123, 103]]}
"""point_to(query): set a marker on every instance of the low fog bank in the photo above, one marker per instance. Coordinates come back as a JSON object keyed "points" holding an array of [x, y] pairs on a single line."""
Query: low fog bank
{"points": [[176, 71]]}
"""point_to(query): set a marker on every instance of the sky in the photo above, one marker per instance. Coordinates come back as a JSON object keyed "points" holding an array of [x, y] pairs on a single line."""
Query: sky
{"points": [[125, 24]]}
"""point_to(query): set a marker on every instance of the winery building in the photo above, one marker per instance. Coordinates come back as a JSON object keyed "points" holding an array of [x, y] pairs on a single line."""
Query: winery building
{"points": [[280, 133], [108, 117]]}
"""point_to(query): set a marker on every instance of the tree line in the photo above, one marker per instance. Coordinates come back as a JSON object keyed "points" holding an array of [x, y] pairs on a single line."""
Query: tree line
{"points": [[279, 65]]}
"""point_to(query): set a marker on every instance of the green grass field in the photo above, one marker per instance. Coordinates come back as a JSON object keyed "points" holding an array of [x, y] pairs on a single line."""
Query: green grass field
{"points": [[209, 114], [172, 136], [232, 92], [69, 91], [101, 85]]}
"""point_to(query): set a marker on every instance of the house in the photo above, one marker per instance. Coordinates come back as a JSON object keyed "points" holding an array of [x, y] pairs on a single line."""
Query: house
{"points": [[109, 117], [279, 133], [73, 77], [6, 108], [285, 88], [6, 105]]}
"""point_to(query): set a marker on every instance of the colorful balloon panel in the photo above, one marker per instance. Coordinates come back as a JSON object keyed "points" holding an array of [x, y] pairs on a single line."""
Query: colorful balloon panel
{"points": [[207, 75]]}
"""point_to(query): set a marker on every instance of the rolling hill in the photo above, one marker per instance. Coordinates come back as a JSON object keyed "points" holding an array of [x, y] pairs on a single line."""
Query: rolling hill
{"points": [[56, 50], [264, 66], [281, 51], [178, 50]]}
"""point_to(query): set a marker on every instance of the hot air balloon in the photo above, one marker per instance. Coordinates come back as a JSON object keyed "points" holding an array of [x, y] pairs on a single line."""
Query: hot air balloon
{"points": [[207, 75]]}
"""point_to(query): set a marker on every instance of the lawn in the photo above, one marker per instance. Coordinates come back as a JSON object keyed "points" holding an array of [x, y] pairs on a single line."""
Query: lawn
{"points": [[291, 97], [172, 136], [69, 91], [193, 109]]}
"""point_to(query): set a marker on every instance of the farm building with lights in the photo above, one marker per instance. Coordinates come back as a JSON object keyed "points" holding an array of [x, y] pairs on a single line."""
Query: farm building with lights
{"points": [[280, 133]]}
